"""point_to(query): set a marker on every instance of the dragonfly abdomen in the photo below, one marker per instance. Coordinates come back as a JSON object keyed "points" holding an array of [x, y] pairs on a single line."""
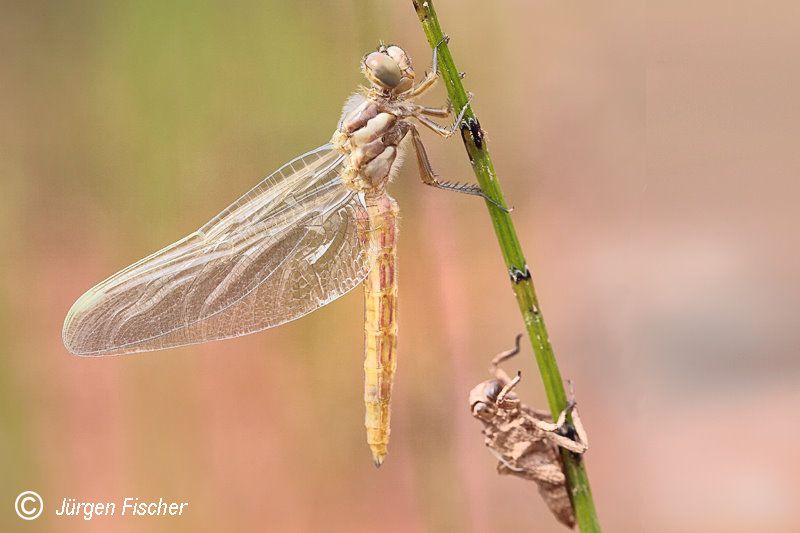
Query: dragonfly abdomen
{"points": [[380, 291]]}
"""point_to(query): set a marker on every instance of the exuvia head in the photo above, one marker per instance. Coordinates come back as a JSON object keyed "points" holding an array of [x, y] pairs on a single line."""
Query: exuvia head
{"points": [[484, 399], [389, 69]]}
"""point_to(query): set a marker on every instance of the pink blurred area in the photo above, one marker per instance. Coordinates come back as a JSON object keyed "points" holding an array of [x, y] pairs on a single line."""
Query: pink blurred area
{"points": [[648, 150]]}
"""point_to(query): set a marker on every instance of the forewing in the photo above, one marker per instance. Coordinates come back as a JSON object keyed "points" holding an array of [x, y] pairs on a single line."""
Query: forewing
{"points": [[292, 244]]}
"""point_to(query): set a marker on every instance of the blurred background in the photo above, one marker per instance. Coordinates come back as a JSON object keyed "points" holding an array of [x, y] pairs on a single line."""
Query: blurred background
{"points": [[649, 151]]}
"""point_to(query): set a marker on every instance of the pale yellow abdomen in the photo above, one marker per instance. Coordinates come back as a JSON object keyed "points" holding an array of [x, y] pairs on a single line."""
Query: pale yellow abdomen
{"points": [[380, 327]]}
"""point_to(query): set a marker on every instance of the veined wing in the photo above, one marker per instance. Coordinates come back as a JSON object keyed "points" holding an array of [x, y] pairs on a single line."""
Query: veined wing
{"points": [[292, 244]]}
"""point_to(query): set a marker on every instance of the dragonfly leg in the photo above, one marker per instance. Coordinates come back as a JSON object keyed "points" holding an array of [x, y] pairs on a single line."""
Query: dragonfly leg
{"points": [[442, 112], [444, 131], [430, 78], [429, 177], [423, 86], [495, 369], [579, 441], [435, 60], [509, 387], [583, 437]]}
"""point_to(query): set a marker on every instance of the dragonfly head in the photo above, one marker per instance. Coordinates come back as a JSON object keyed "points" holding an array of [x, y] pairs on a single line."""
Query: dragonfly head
{"points": [[389, 69]]}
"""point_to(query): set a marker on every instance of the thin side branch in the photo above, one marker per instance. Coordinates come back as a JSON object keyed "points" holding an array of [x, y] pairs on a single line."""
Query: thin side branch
{"points": [[518, 271]]}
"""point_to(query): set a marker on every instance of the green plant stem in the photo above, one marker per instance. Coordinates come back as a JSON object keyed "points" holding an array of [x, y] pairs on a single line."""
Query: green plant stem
{"points": [[521, 280]]}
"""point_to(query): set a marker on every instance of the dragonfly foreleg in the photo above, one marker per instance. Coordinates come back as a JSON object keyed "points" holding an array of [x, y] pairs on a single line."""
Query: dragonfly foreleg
{"points": [[435, 60], [430, 78], [494, 367], [429, 177], [509, 387]]}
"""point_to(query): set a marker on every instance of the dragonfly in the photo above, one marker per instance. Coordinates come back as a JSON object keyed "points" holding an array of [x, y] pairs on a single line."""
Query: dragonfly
{"points": [[304, 236]]}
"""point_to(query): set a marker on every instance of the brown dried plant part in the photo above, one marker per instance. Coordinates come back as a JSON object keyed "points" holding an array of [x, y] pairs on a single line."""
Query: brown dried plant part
{"points": [[524, 440]]}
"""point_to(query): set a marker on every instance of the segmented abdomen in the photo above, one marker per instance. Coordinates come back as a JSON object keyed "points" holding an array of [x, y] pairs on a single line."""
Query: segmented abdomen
{"points": [[380, 327]]}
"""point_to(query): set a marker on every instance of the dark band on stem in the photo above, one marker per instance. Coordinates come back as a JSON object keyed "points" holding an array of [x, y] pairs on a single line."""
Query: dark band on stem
{"points": [[470, 126], [518, 276]]}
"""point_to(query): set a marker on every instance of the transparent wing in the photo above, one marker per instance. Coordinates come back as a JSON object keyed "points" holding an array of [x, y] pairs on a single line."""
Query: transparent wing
{"points": [[292, 244]]}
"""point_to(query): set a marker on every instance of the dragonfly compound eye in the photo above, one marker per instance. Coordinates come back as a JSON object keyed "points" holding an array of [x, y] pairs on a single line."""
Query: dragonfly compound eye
{"points": [[399, 56], [382, 70], [404, 62]]}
